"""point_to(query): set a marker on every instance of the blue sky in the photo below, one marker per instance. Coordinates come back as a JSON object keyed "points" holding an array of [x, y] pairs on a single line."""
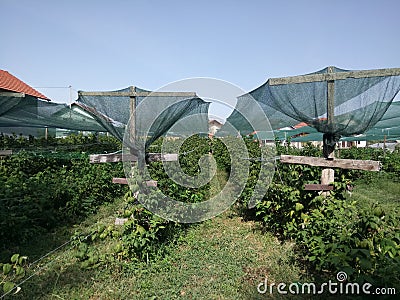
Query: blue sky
{"points": [[109, 45]]}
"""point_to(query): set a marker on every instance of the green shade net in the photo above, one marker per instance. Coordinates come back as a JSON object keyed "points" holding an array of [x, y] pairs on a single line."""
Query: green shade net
{"points": [[391, 118], [28, 111], [359, 103], [154, 115], [388, 127]]}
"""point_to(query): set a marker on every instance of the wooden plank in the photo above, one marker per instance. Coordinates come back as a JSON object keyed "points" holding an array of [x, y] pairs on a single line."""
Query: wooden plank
{"points": [[5, 152], [318, 187], [120, 221], [125, 181], [113, 157], [367, 165], [117, 157], [139, 94], [151, 183], [334, 76], [12, 94], [120, 180], [163, 157]]}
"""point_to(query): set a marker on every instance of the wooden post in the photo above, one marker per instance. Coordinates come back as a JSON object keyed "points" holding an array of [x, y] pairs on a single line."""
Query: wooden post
{"points": [[132, 115], [328, 175], [384, 146], [330, 107], [330, 99]]}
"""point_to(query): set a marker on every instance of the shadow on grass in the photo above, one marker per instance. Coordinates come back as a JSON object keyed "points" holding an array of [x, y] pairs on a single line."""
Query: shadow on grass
{"points": [[46, 282]]}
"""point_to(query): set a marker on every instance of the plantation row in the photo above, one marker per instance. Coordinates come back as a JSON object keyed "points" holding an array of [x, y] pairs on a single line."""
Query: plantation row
{"points": [[41, 190]]}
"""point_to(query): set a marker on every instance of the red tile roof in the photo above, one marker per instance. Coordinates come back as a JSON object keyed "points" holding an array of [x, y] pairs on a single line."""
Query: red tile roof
{"points": [[302, 124], [13, 84]]}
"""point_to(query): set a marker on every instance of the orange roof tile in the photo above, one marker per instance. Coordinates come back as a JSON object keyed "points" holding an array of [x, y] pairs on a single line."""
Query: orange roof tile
{"points": [[302, 124], [13, 84]]}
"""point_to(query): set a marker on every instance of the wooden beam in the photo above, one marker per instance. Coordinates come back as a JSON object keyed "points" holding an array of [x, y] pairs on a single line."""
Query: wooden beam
{"points": [[139, 94], [125, 181], [334, 76], [117, 157], [151, 183], [120, 180], [5, 152], [120, 221], [12, 94], [107, 158], [163, 157], [318, 187], [367, 165]]}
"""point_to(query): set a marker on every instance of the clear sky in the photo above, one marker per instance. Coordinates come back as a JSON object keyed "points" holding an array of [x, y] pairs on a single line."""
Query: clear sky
{"points": [[108, 45]]}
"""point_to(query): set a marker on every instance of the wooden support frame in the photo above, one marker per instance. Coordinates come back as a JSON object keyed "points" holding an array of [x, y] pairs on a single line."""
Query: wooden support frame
{"points": [[12, 94], [318, 187], [121, 180], [334, 76], [6, 152], [118, 157], [366, 165], [133, 93], [329, 161]]}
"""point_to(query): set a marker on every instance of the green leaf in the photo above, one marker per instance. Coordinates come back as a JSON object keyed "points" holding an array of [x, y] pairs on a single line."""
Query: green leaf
{"points": [[22, 259], [140, 230], [20, 271], [299, 206], [312, 258], [8, 286], [7, 268], [365, 263], [14, 258]]}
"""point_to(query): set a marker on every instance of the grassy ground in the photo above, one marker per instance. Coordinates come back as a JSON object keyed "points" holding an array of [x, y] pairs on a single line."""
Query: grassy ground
{"points": [[222, 258], [383, 189]]}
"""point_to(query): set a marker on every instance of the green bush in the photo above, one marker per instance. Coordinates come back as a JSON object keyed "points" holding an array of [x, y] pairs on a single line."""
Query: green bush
{"points": [[334, 233], [41, 191]]}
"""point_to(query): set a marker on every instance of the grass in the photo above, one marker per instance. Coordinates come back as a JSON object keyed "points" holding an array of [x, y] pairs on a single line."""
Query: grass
{"points": [[222, 258], [383, 189]]}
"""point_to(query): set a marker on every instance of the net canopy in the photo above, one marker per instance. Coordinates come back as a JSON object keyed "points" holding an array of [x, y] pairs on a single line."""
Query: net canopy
{"points": [[388, 127], [333, 101], [106, 112], [139, 115], [22, 111]]}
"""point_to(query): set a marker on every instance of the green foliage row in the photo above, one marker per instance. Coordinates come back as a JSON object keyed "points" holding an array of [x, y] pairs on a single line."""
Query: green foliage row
{"points": [[39, 192], [92, 143], [190, 152], [334, 233]]}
